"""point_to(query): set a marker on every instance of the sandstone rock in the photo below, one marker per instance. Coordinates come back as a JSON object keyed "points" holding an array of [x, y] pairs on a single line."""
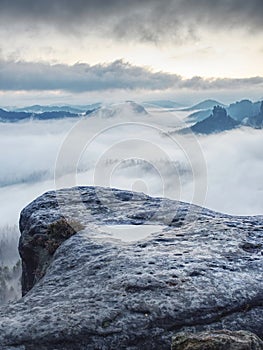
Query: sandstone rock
{"points": [[218, 121], [217, 340], [196, 270]]}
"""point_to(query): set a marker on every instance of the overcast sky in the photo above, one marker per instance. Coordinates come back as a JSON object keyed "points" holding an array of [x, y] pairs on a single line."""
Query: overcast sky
{"points": [[74, 49]]}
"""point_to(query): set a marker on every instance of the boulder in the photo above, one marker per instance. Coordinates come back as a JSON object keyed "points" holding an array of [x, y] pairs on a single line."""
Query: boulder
{"points": [[112, 269]]}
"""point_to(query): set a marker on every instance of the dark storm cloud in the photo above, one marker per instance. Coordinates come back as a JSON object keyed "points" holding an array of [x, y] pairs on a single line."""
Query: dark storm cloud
{"points": [[80, 77], [146, 20], [119, 75]]}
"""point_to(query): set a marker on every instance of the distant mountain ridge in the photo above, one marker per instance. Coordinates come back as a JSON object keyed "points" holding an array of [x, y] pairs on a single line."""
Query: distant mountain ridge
{"points": [[199, 115], [12, 116], [255, 121], [65, 108], [206, 104], [125, 108], [239, 111], [243, 109], [162, 104], [117, 110]]}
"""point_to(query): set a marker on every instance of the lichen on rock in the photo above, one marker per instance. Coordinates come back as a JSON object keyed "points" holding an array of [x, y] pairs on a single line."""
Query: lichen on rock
{"points": [[217, 340]]}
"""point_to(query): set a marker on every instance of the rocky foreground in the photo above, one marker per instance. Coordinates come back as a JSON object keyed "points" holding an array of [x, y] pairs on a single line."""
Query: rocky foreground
{"points": [[197, 270]]}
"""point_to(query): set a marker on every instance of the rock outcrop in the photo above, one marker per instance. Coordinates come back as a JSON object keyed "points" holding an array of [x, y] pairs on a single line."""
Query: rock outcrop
{"points": [[243, 112], [218, 121], [196, 270], [256, 121], [217, 340], [243, 109]]}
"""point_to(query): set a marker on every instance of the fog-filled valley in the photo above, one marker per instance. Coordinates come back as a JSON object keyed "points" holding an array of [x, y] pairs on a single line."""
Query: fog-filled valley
{"points": [[10, 265], [131, 148], [125, 146]]}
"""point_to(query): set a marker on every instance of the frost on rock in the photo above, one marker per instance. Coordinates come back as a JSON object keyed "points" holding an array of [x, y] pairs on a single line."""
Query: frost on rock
{"points": [[194, 270]]}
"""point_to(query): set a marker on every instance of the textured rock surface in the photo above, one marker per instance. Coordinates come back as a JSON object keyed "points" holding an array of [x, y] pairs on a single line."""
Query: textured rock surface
{"points": [[198, 270], [217, 340]]}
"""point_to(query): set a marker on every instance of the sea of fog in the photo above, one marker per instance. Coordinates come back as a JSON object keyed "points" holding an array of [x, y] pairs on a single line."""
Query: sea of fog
{"points": [[136, 152]]}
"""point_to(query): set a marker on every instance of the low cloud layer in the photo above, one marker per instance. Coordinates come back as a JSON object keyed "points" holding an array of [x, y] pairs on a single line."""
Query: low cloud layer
{"points": [[122, 156], [144, 20], [119, 75]]}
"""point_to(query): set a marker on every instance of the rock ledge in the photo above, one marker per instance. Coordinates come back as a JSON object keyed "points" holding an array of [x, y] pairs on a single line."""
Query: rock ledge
{"points": [[197, 270]]}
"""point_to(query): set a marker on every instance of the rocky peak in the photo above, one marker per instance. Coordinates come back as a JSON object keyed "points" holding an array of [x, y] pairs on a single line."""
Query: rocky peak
{"points": [[219, 112], [218, 121], [256, 121]]}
